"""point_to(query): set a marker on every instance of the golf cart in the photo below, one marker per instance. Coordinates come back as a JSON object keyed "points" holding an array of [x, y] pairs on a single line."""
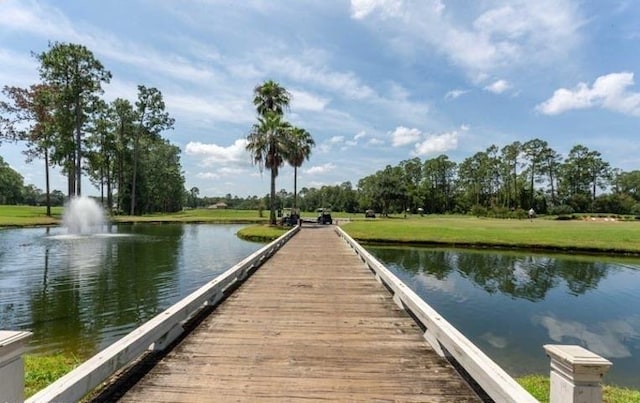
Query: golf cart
{"points": [[324, 216]]}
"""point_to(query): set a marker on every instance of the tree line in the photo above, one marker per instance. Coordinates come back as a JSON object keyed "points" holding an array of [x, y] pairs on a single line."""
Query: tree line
{"points": [[119, 145], [500, 181], [505, 181]]}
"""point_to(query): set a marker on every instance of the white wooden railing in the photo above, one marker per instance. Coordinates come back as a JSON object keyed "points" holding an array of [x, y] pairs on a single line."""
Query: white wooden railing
{"points": [[445, 339], [155, 334]]}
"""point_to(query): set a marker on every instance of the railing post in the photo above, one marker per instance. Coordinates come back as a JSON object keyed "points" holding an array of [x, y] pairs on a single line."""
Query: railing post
{"points": [[576, 374], [12, 345]]}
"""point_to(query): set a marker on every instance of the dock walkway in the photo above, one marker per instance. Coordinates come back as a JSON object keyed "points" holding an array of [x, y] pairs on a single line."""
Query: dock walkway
{"points": [[311, 324]]}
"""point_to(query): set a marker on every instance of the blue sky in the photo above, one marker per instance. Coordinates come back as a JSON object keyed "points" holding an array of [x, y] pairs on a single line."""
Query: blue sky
{"points": [[374, 81]]}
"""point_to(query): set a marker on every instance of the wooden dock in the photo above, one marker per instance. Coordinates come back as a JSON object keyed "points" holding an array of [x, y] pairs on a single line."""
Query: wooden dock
{"points": [[311, 324]]}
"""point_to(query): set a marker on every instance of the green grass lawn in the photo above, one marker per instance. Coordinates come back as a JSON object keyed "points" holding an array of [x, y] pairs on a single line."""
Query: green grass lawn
{"points": [[200, 215], [28, 215], [539, 386], [577, 235]]}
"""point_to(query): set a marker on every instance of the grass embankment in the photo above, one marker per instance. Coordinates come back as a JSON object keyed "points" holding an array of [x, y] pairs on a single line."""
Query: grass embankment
{"points": [[616, 237], [539, 387], [40, 371], [261, 232]]}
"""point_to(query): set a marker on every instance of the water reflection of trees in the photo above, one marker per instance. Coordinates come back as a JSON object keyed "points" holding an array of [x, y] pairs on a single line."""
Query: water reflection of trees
{"points": [[83, 307], [518, 275]]}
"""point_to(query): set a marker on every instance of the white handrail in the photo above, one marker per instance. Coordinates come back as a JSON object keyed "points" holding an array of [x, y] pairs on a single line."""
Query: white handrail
{"points": [[444, 338], [155, 334]]}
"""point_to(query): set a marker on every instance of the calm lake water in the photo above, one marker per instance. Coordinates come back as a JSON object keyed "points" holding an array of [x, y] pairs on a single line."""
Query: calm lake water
{"points": [[510, 304], [80, 294]]}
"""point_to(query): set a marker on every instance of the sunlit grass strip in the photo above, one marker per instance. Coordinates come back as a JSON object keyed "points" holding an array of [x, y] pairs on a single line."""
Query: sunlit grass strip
{"points": [[586, 236], [262, 233], [200, 215], [539, 387], [28, 215], [42, 370]]}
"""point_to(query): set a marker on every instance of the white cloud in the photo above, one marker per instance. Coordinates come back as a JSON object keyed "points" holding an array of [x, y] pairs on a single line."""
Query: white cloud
{"points": [[232, 110], [359, 135], [454, 94], [329, 144], [610, 92], [497, 37], [439, 143], [402, 136], [361, 8], [303, 100], [320, 169], [498, 87], [214, 154]]}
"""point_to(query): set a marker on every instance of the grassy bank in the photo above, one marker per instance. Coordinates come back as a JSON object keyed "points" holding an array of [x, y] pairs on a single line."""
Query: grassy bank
{"points": [[538, 386], [22, 216], [261, 232], [600, 236], [42, 370]]}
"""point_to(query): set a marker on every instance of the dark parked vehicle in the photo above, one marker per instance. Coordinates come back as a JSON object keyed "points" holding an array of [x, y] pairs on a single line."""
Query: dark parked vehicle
{"points": [[370, 214], [324, 216]]}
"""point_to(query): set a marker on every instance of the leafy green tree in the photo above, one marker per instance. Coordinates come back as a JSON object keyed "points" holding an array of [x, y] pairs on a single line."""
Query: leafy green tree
{"points": [[509, 158], [550, 164], [412, 170], [534, 151], [125, 129], [269, 145], [102, 151], [161, 177], [582, 172], [151, 119], [11, 184], [629, 183], [31, 195], [299, 150], [439, 174], [474, 176], [77, 77], [194, 192], [29, 117]]}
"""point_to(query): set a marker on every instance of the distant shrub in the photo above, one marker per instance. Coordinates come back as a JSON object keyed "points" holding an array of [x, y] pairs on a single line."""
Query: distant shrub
{"points": [[562, 209], [519, 214], [479, 211], [499, 212]]}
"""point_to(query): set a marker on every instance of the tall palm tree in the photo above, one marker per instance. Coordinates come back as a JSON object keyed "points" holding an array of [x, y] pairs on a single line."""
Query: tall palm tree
{"points": [[271, 97], [299, 150], [268, 143]]}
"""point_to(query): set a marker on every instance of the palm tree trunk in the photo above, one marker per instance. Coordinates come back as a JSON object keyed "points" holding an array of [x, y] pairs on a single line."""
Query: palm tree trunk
{"points": [[295, 187], [272, 214]]}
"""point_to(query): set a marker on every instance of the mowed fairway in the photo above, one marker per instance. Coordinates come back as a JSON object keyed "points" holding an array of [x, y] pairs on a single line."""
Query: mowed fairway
{"points": [[577, 235]]}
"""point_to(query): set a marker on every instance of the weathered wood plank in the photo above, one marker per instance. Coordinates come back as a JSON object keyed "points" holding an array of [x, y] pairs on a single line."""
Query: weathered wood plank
{"points": [[311, 324]]}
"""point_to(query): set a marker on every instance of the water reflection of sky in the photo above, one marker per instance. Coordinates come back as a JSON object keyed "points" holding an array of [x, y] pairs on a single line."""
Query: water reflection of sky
{"points": [[510, 305]]}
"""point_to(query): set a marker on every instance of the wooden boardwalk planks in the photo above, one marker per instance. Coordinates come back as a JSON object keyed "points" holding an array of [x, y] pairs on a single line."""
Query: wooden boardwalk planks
{"points": [[311, 324]]}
